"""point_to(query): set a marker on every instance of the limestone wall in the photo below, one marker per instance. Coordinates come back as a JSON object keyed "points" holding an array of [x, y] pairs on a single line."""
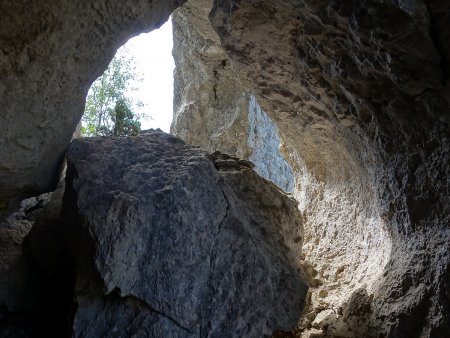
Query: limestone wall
{"points": [[358, 94]]}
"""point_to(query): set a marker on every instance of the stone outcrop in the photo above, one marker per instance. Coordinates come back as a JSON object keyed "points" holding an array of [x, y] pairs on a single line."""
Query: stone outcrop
{"points": [[210, 103], [50, 54], [212, 108], [16, 294], [265, 145], [171, 242], [358, 92]]}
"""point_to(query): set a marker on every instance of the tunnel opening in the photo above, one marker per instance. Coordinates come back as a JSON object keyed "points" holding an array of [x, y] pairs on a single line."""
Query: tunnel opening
{"points": [[135, 92]]}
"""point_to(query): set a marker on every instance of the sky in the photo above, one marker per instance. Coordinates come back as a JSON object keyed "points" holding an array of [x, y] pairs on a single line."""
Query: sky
{"points": [[153, 55]]}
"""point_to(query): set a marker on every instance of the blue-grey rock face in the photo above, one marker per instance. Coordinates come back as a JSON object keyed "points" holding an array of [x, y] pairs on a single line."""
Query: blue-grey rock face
{"points": [[212, 108], [264, 141], [206, 244]]}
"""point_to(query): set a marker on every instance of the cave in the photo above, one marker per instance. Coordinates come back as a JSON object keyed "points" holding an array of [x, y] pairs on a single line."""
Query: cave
{"points": [[304, 190]]}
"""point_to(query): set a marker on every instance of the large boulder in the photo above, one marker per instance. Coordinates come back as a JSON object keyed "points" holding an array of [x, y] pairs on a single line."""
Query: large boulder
{"points": [[171, 242]]}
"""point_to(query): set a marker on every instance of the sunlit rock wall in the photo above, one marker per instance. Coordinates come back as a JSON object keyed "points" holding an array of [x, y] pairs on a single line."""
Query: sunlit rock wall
{"points": [[212, 108], [210, 104], [358, 94]]}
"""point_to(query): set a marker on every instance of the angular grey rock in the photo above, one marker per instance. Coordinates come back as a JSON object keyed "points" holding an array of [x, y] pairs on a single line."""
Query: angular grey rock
{"points": [[123, 317], [210, 250]]}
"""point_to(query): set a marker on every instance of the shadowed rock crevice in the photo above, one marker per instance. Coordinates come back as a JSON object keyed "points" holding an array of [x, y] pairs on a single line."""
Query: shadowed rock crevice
{"points": [[440, 33], [38, 284], [50, 55]]}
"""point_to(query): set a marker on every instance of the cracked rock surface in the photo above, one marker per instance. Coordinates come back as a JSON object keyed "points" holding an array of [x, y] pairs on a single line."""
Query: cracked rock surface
{"points": [[359, 94], [209, 247]]}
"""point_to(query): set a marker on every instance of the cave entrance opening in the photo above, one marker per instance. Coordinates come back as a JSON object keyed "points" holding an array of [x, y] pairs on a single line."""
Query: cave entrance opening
{"points": [[140, 77]]}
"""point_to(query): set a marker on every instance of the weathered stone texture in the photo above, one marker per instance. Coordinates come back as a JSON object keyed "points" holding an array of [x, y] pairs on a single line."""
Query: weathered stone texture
{"points": [[358, 92], [212, 108], [210, 104], [50, 54], [209, 252], [16, 293]]}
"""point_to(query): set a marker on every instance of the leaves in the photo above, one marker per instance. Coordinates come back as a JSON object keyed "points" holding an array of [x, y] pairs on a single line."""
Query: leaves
{"points": [[124, 120], [108, 111]]}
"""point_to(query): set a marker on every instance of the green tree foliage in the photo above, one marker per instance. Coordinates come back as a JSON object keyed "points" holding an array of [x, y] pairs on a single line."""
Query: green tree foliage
{"points": [[125, 122], [108, 111]]}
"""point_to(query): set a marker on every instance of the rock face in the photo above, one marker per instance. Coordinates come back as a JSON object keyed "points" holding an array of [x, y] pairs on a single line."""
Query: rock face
{"points": [[210, 104], [265, 144], [51, 53], [212, 109], [359, 94], [15, 291], [170, 242], [36, 285]]}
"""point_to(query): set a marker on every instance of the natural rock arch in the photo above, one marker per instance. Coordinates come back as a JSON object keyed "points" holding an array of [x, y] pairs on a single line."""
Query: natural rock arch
{"points": [[359, 94], [50, 54]]}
